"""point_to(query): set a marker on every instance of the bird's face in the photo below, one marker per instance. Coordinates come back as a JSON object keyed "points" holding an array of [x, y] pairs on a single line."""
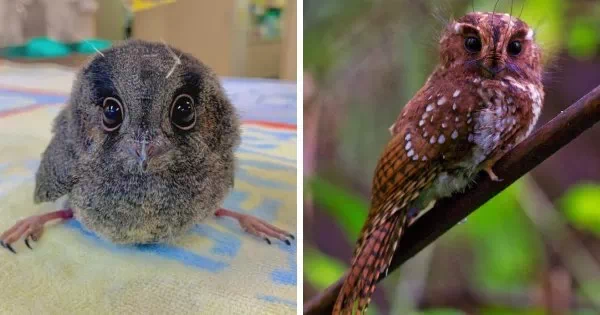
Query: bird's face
{"points": [[145, 108], [493, 46]]}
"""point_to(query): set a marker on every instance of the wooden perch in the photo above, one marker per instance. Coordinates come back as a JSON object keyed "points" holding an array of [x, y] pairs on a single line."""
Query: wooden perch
{"points": [[544, 142]]}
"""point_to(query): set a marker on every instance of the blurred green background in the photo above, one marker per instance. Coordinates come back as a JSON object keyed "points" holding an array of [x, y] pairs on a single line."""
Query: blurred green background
{"points": [[535, 248]]}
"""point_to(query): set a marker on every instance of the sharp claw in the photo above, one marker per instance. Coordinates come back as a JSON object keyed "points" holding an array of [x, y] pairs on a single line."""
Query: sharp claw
{"points": [[291, 236], [27, 242], [7, 246], [10, 248], [288, 242], [268, 241]]}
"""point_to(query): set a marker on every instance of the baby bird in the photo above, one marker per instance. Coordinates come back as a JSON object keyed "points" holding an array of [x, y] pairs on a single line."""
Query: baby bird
{"points": [[144, 150]]}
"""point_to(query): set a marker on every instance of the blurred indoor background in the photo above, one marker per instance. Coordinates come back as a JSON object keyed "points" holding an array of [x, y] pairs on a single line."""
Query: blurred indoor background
{"points": [[241, 38], [535, 248]]}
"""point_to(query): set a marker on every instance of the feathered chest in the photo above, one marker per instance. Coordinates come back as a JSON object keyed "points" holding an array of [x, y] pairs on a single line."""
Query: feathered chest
{"points": [[507, 112]]}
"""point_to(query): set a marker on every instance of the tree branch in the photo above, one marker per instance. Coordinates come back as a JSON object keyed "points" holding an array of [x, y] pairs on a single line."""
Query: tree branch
{"points": [[548, 139]]}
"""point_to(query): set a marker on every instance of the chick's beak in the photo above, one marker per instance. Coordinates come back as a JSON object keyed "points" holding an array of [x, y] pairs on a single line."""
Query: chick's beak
{"points": [[144, 151]]}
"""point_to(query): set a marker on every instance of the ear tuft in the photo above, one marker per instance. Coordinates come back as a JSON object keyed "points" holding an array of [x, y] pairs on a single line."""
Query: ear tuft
{"points": [[530, 34]]}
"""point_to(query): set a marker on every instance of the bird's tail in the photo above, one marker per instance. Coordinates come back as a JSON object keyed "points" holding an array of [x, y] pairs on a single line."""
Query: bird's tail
{"points": [[369, 261]]}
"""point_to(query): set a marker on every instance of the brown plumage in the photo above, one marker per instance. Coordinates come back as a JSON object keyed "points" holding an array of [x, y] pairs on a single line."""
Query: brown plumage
{"points": [[482, 99]]}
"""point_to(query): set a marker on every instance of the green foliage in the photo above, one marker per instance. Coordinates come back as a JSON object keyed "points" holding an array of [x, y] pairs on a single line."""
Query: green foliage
{"points": [[584, 38], [321, 49], [507, 250], [348, 210], [321, 270], [439, 311], [507, 311], [547, 17], [580, 205]]}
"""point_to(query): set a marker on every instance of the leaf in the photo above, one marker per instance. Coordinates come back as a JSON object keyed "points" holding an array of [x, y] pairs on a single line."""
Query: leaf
{"points": [[583, 38], [508, 311], [580, 206], [547, 18], [347, 209], [439, 311], [321, 270], [507, 250]]}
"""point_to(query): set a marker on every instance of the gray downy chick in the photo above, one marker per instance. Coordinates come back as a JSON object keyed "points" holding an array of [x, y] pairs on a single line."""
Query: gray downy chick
{"points": [[143, 150]]}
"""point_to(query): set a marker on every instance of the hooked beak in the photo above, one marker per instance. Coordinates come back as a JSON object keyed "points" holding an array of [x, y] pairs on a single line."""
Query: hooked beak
{"points": [[491, 71], [143, 151]]}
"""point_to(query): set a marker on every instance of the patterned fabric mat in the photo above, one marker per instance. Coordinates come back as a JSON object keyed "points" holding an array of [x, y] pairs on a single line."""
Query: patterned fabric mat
{"points": [[215, 268]]}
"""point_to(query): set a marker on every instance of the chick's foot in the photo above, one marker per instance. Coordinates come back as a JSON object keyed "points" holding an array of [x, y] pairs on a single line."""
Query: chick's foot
{"points": [[31, 228], [257, 227]]}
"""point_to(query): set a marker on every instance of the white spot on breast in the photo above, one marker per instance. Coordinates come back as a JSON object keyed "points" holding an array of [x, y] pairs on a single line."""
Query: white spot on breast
{"points": [[454, 106], [421, 122], [441, 139], [444, 125], [476, 80], [424, 158], [408, 146], [456, 119], [469, 120], [407, 137], [424, 116], [432, 140], [500, 125], [410, 153], [416, 157], [429, 108], [456, 93], [441, 101], [425, 134], [454, 134], [515, 83]]}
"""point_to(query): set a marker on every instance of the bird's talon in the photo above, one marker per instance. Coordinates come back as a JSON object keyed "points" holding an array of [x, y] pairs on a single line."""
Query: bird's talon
{"points": [[291, 236], [7, 246], [27, 242], [288, 242], [268, 240], [492, 175]]}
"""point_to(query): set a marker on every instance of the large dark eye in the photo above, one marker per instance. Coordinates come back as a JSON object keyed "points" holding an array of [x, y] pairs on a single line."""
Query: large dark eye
{"points": [[113, 114], [473, 44], [183, 115], [514, 47]]}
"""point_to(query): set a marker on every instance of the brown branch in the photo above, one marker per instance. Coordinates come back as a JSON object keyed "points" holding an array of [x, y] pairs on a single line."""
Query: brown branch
{"points": [[548, 139]]}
